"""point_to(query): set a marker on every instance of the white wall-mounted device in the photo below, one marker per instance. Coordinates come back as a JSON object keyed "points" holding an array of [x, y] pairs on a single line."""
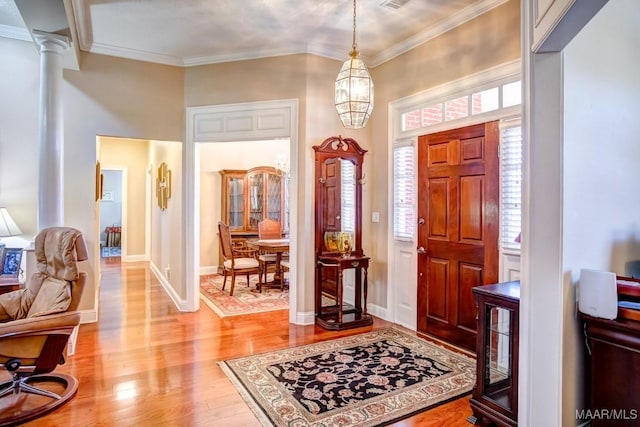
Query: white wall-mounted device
{"points": [[598, 293]]}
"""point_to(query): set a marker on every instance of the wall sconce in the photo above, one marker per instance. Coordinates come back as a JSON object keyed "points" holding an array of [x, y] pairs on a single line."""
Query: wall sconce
{"points": [[99, 181], [163, 186]]}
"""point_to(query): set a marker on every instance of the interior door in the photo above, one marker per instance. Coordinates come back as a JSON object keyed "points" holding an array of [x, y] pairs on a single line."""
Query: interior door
{"points": [[458, 191]]}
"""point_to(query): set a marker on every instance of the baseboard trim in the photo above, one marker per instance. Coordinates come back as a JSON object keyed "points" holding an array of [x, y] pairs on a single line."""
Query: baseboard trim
{"points": [[378, 311], [211, 269], [88, 316], [134, 258], [305, 318], [180, 303]]}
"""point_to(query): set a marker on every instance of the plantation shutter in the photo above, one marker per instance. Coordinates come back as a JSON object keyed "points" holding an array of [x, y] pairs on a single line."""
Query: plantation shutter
{"points": [[404, 199], [510, 184]]}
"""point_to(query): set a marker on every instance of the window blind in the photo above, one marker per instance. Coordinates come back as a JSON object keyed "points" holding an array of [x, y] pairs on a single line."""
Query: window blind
{"points": [[404, 200], [510, 184]]}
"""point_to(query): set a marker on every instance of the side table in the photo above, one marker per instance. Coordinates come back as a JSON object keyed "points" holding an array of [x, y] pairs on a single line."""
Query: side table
{"points": [[339, 317]]}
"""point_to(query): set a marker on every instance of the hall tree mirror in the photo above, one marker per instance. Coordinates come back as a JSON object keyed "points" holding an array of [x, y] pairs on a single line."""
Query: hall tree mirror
{"points": [[338, 180], [341, 266]]}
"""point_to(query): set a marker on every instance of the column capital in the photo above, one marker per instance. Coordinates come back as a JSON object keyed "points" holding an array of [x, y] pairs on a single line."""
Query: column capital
{"points": [[50, 42]]}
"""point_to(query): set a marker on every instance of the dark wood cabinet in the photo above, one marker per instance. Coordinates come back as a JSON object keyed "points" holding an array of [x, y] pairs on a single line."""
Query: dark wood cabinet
{"points": [[613, 371], [495, 395], [612, 366]]}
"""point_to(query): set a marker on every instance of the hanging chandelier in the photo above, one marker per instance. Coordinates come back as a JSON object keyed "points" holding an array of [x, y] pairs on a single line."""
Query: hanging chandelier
{"points": [[354, 88]]}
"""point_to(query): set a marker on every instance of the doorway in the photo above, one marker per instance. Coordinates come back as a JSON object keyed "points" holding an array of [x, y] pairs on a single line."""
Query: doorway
{"points": [[458, 217], [111, 208], [232, 122]]}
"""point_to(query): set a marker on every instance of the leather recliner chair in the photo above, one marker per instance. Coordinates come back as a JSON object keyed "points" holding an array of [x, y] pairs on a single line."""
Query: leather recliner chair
{"points": [[35, 325]]}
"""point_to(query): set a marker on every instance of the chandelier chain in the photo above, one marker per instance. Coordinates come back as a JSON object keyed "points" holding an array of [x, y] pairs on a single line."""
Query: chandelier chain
{"points": [[354, 26]]}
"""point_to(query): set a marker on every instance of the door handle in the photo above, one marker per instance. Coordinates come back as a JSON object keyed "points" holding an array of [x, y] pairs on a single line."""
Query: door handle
{"points": [[337, 216], [422, 250], [421, 221]]}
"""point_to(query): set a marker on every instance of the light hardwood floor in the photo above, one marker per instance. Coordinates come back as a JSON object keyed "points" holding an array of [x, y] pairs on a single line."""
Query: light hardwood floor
{"points": [[146, 364]]}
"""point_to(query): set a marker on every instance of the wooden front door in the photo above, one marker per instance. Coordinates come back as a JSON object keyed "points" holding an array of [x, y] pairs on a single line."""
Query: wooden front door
{"points": [[458, 215]]}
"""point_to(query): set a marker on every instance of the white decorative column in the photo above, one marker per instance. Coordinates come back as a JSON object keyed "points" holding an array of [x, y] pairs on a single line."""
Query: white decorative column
{"points": [[51, 162]]}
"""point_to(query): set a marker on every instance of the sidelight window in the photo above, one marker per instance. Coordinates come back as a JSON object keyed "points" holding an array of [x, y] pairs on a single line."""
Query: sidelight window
{"points": [[510, 184], [404, 192]]}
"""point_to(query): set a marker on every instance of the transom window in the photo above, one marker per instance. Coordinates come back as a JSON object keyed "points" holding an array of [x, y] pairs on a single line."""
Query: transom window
{"points": [[460, 107]]}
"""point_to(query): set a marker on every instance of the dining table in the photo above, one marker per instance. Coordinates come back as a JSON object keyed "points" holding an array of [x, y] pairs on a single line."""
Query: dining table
{"points": [[278, 247]]}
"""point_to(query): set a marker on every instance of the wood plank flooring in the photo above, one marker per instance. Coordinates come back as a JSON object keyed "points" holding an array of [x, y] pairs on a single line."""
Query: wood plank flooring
{"points": [[146, 364]]}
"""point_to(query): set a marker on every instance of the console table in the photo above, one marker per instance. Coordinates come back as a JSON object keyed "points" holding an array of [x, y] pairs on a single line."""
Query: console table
{"points": [[338, 316]]}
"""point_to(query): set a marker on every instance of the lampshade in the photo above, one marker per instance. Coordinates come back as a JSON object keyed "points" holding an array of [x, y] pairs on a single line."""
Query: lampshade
{"points": [[8, 226], [354, 88]]}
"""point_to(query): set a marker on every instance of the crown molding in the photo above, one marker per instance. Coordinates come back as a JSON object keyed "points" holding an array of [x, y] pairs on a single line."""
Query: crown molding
{"points": [[15, 33], [436, 30], [140, 55]]}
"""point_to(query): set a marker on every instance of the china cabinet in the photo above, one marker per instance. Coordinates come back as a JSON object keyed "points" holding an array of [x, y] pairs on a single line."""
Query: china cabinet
{"points": [[249, 196], [495, 395]]}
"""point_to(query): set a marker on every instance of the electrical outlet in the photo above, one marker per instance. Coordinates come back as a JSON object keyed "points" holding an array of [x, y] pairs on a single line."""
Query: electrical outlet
{"points": [[375, 216], [167, 273]]}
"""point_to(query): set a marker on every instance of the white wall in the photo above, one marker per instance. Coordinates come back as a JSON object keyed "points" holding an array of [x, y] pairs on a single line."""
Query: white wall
{"points": [[167, 243], [601, 213]]}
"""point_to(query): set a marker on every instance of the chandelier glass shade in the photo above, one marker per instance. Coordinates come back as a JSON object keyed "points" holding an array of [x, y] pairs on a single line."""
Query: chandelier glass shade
{"points": [[354, 88]]}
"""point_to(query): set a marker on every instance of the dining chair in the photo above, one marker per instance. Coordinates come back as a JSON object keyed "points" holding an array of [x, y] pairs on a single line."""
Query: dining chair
{"points": [[236, 260], [267, 229]]}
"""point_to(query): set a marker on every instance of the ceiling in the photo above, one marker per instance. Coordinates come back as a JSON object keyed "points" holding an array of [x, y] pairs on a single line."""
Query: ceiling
{"points": [[195, 32]]}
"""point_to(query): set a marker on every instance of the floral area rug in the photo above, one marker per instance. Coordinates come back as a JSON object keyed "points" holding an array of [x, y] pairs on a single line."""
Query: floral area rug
{"points": [[245, 300], [369, 379]]}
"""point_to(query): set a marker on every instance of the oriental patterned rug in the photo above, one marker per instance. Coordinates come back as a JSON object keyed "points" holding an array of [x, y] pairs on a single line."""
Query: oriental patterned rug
{"points": [[369, 379], [245, 300]]}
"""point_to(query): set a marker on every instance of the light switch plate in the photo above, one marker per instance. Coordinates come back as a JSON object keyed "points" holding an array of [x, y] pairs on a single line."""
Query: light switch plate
{"points": [[375, 216]]}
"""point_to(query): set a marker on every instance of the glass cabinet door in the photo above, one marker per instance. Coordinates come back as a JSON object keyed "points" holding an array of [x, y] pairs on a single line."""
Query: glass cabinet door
{"points": [[235, 191], [256, 199], [274, 198], [498, 379]]}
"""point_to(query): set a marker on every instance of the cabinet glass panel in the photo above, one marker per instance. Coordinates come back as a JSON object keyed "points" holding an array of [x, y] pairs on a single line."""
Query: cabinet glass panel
{"points": [[274, 197], [236, 202], [498, 378], [256, 203]]}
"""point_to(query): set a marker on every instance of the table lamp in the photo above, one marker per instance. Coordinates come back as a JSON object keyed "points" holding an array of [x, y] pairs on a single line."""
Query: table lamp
{"points": [[8, 226]]}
